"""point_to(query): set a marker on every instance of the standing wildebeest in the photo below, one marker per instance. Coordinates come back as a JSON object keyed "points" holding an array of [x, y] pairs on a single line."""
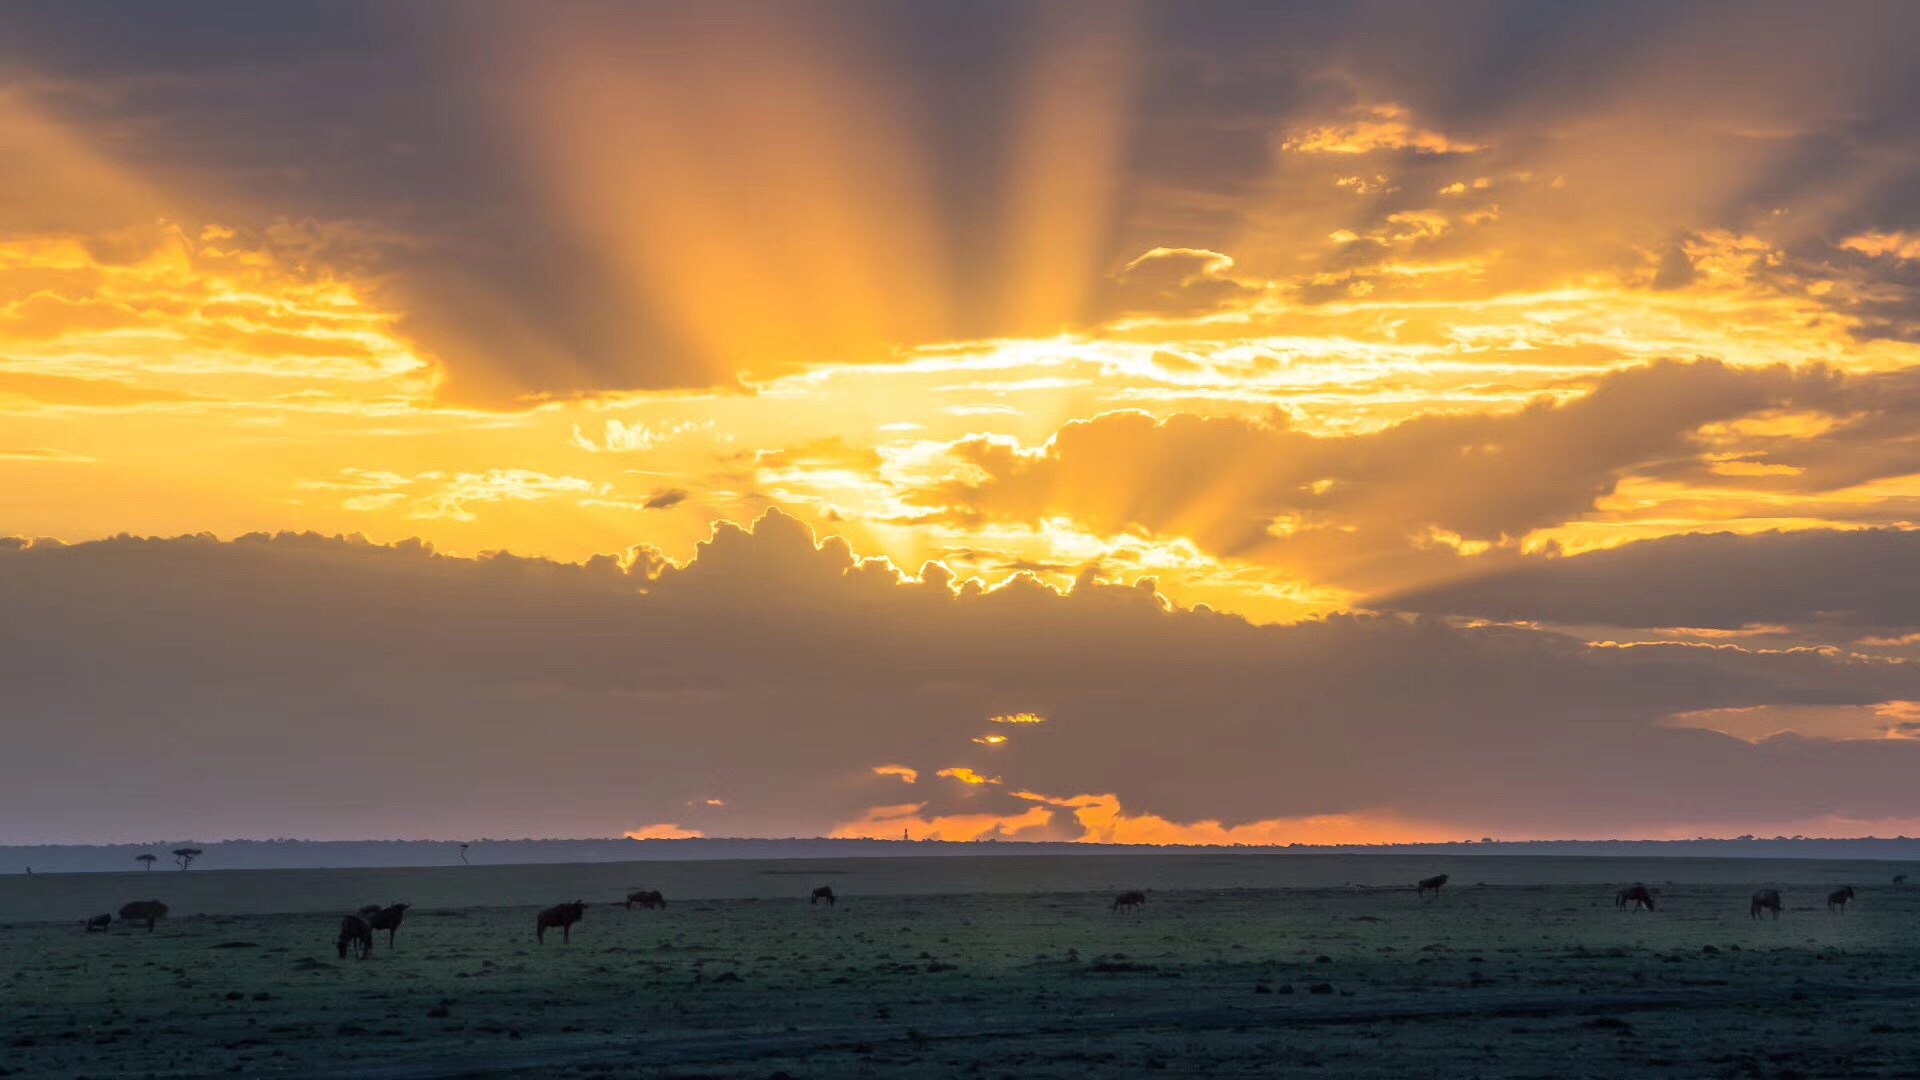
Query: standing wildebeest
{"points": [[143, 911], [824, 892], [1637, 894], [356, 932], [1129, 900], [99, 922], [1764, 900], [1838, 899], [646, 898], [562, 916], [1431, 884], [385, 918]]}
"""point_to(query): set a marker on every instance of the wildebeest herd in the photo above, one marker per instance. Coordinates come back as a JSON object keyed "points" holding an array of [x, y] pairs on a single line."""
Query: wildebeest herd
{"points": [[357, 929]]}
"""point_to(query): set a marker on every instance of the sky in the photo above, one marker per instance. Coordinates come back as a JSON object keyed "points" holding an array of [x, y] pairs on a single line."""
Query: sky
{"points": [[1148, 423]]}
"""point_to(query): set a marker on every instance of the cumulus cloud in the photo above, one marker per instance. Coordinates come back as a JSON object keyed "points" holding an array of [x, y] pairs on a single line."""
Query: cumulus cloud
{"points": [[1357, 507], [326, 687], [1173, 282], [1376, 127], [1875, 244]]}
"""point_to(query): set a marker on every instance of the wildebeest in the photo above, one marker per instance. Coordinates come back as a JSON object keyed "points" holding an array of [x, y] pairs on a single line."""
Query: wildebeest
{"points": [[1430, 885], [824, 892], [385, 918], [146, 911], [646, 898], [1129, 900], [562, 916], [1636, 894], [1899, 879], [1838, 899], [99, 922], [357, 933], [1764, 900]]}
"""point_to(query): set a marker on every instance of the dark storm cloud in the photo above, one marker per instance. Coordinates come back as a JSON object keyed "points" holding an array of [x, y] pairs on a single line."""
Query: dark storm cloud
{"points": [[299, 685], [1858, 581]]}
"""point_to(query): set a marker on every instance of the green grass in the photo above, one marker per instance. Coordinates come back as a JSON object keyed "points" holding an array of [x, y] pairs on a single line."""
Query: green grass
{"points": [[1544, 980]]}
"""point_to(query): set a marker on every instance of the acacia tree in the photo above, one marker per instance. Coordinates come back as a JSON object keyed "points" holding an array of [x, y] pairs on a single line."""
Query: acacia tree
{"points": [[463, 856], [185, 856], [147, 859]]}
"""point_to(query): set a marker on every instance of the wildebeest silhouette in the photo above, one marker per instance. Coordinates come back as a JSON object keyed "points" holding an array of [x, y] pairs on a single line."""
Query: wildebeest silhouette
{"points": [[562, 916], [357, 933], [1899, 879], [146, 911], [1764, 900], [1838, 899], [646, 898], [385, 918], [824, 892], [1129, 900], [99, 922], [1636, 894], [1430, 885]]}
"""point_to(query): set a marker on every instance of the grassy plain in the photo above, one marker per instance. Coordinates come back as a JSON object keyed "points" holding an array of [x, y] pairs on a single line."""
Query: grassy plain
{"points": [[990, 967]]}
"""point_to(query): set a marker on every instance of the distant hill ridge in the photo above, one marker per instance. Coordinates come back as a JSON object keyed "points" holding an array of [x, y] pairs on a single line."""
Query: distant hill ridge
{"points": [[301, 854]]}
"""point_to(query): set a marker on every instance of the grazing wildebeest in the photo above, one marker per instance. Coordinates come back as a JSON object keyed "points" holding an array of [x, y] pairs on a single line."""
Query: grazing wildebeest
{"points": [[1430, 885], [646, 898], [562, 916], [1838, 899], [824, 892], [1764, 900], [1636, 894], [1129, 900], [357, 933], [99, 922], [143, 911], [386, 918], [1899, 879]]}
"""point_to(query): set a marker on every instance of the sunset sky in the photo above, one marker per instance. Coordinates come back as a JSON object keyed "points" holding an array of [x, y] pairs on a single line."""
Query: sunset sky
{"points": [[1267, 423]]}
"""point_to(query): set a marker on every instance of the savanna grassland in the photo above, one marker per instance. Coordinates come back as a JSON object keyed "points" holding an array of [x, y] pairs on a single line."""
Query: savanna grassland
{"points": [[990, 967]]}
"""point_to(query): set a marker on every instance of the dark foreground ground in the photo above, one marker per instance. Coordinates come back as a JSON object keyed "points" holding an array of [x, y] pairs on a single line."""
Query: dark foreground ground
{"points": [[1543, 980]]}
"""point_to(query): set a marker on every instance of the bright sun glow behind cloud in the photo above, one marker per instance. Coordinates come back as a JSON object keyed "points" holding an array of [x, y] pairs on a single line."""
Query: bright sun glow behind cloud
{"points": [[1235, 319]]}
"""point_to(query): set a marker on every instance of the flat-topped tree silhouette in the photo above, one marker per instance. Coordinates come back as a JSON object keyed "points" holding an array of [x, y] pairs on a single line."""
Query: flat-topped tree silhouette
{"points": [[147, 859], [185, 856], [463, 856]]}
